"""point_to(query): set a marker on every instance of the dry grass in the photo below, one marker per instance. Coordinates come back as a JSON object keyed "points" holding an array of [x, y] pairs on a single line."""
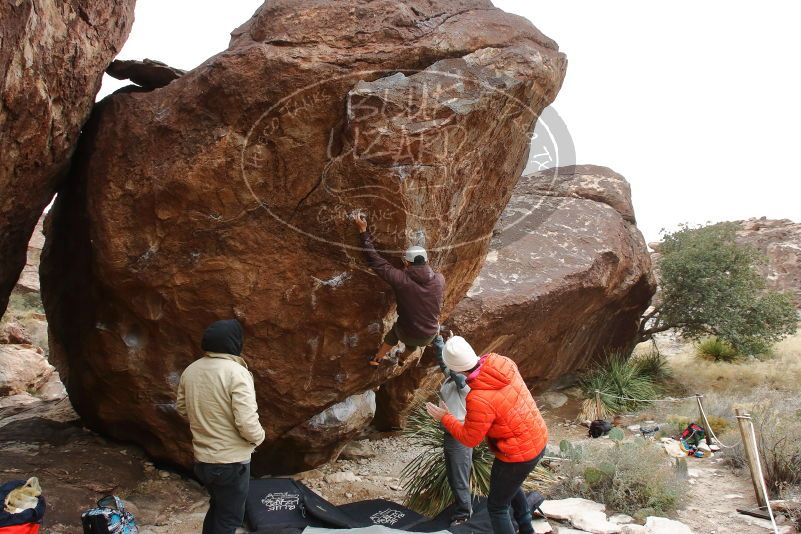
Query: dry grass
{"points": [[766, 388], [781, 372]]}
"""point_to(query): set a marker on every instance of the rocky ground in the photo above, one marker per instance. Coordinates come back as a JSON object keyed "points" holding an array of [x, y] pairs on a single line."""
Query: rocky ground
{"points": [[76, 467], [40, 435]]}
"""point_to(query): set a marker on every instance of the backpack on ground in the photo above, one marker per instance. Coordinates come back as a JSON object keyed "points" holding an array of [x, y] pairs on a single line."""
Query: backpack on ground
{"points": [[599, 428], [693, 435], [25, 521], [110, 517]]}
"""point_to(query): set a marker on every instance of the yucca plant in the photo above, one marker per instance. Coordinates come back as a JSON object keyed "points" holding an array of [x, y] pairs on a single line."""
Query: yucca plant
{"points": [[618, 376], [716, 349], [425, 480], [652, 364]]}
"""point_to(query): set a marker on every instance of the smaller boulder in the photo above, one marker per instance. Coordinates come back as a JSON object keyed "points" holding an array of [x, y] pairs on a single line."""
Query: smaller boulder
{"points": [[621, 519], [662, 525], [321, 438], [554, 399], [633, 529], [15, 334], [342, 476], [53, 389], [357, 450], [148, 73], [564, 509], [593, 521], [24, 369]]}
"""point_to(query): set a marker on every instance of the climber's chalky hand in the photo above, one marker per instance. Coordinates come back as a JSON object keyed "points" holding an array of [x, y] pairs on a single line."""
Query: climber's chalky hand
{"points": [[360, 220]]}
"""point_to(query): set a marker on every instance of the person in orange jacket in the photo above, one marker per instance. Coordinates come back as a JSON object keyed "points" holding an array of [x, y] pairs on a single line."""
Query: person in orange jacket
{"points": [[501, 409]]}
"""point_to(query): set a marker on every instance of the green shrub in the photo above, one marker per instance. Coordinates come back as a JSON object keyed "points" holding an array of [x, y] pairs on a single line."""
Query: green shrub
{"points": [[618, 376], [652, 364], [628, 477], [710, 285], [716, 349]]}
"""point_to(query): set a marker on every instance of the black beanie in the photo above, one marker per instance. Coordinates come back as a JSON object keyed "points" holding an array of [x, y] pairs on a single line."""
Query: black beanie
{"points": [[224, 337]]}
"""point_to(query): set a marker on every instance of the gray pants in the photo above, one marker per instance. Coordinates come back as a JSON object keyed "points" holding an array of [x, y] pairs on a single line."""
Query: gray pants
{"points": [[458, 464], [227, 485]]}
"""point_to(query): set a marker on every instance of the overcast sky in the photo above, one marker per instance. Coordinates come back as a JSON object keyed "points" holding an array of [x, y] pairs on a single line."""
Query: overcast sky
{"points": [[696, 103]]}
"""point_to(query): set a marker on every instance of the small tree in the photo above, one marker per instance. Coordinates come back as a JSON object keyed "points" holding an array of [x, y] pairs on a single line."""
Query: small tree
{"points": [[709, 285]]}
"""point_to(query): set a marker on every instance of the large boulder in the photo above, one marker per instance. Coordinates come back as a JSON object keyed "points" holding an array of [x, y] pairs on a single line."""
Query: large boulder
{"points": [[780, 242], [24, 369], [227, 193], [567, 277], [52, 56], [565, 281]]}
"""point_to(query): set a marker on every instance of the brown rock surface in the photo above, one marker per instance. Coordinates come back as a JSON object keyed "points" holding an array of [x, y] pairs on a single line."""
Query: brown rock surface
{"points": [[148, 73], [23, 369], [780, 241], [226, 193], [567, 277], [52, 56], [321, 438]]}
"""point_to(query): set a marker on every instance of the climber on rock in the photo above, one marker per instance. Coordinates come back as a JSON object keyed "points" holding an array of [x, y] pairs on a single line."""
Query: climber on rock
{"points": [[418, 293], [216, 394]]}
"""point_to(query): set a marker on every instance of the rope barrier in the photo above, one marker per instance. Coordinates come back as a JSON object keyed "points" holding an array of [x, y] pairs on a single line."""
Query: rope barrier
{"points": [[679, 399], [759, 468], [709, 427]]}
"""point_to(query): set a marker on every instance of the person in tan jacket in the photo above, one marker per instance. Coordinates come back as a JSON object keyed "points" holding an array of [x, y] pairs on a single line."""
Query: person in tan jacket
{"points": [[216, 394]]}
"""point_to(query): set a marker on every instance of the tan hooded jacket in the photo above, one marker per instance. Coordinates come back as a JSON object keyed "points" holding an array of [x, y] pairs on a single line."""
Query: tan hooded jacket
{"points": [[217, 395]]}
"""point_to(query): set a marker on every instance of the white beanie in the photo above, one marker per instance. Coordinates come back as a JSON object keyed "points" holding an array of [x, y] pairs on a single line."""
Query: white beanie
{"points": [[459, 355]]}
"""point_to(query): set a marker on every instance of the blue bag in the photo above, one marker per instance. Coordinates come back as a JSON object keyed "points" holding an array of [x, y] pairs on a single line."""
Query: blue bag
{"points": [[110, 517]]}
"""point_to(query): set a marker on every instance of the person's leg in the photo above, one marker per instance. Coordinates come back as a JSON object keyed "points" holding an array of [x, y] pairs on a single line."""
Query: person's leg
{"points": [[410, 344], [458, 464], [232, 490], [390, 340], [200, 470], [505, 481], [522, 513], [381, 354]]}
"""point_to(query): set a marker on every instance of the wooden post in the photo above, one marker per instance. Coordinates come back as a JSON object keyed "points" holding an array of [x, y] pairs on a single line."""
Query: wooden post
{"points": [[751, 455], [598, 404], [702, 420]]}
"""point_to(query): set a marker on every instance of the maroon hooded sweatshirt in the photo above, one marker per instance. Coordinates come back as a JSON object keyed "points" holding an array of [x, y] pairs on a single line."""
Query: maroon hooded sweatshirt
{"points": [[418, 292]]}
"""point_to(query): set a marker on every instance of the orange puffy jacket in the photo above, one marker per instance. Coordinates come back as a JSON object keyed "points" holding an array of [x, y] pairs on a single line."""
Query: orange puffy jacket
{"points": [[500, 407]]}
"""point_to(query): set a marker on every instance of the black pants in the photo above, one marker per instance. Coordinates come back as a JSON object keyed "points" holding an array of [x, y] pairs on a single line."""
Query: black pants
{"points": [[458, 464], [227, 485], [505, 481]]}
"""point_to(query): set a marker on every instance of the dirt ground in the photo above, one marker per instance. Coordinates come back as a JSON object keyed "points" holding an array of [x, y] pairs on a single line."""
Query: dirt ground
{"points": [[76, 467]]}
